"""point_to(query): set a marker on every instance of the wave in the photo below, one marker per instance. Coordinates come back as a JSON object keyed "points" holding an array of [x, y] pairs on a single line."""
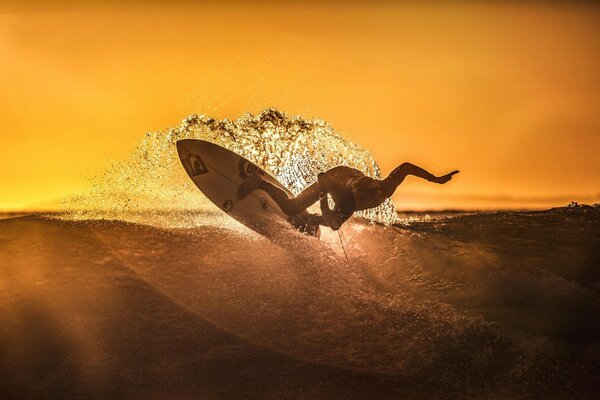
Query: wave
{"points": [[292, 149], [467, 302], [506, 299]]}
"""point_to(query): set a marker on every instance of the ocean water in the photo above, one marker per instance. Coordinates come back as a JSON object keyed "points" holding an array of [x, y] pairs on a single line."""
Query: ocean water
{"points": [[140, 288], [470, 305]]}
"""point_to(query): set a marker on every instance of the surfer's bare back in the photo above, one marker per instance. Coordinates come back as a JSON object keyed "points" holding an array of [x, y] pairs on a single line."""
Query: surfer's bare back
{"points": [[350, 189]]}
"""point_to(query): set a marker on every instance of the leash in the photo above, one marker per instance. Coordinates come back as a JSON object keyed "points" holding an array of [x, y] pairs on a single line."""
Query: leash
{"points": [[339, 232]]}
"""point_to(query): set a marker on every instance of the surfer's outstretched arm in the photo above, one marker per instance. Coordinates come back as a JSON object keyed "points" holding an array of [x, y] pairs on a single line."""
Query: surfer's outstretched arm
{"points": [[403, 170]]}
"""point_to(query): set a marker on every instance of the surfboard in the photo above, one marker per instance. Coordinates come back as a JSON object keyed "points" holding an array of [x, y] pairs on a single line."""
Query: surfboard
{"points": [[218, 172]]}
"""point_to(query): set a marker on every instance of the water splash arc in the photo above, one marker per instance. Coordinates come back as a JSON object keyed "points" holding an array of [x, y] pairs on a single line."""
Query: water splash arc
{"points": [[291, 148]]}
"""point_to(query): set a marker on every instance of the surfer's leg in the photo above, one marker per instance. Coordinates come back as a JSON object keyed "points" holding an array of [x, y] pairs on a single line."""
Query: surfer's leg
{"points": [[248, 186], [307, 197], [290, 206], [294, 205]]}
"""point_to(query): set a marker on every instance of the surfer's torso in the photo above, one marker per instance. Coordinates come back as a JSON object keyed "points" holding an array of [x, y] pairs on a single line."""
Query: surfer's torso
{"points": [[352, 190]]}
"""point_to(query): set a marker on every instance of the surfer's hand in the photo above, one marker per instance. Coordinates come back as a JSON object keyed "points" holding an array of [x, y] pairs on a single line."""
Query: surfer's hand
{"points": [[332, 218], [444, 178]]}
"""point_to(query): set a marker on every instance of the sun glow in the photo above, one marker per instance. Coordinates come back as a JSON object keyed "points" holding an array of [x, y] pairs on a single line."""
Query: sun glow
{"points": [[507, 93]]}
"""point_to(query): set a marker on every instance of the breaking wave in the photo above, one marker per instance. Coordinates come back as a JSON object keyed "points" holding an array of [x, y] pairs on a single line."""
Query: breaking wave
{"points": [[501, 304], [292, 149], [484, 303]]}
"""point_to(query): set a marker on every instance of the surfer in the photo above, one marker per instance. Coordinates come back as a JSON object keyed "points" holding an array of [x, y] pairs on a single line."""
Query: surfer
{"points": [[350, 190]]}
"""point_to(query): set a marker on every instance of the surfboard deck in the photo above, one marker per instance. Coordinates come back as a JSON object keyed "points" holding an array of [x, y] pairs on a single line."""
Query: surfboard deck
{"points": [[218, 172]]}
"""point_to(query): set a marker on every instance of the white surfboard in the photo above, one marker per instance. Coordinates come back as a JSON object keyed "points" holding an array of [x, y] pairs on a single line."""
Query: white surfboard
{"points": [[218, 172]]}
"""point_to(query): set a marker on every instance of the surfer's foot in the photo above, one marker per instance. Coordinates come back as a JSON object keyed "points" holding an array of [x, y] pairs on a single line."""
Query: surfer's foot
{"points": [[248, 186], [444, 178]]}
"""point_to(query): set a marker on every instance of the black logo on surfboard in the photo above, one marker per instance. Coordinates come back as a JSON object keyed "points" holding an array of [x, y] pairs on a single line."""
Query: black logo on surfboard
{"points": [[247, 169], [264, 203], [227, 205], [194, 165]]}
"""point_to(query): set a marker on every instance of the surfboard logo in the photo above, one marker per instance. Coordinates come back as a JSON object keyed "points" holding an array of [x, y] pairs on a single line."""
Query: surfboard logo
{"points": [[247, 169], [194, 165], [227, 205], [264, 203]]}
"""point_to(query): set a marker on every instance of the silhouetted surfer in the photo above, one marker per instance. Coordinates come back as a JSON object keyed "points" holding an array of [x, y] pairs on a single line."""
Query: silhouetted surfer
{"points": [[350, 189]]}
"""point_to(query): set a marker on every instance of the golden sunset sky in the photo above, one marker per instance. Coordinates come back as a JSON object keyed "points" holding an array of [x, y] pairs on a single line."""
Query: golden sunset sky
{"points": [[509, 93]]}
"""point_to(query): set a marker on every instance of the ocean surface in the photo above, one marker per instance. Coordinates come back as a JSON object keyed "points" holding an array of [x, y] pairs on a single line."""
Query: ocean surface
{"points": [[182, 305], [142, 289]]}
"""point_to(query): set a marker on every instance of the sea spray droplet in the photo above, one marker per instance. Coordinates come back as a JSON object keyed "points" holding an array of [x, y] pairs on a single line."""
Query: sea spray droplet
{"points": [[151, 178]]}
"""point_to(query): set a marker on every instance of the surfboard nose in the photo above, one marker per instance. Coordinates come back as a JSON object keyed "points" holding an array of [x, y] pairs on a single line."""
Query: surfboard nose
{"points": [[181, 145], [184, 145]]}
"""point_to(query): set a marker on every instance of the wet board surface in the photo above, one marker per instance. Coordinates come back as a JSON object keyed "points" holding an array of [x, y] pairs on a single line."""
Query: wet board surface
{"points": [[218, 172]]}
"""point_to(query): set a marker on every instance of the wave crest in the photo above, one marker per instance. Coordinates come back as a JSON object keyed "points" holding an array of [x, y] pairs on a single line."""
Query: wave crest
{"points": [[293, 149]]}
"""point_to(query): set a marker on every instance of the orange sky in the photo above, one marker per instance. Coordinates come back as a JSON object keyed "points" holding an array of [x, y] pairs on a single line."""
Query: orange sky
{"points": [[508, 94]]}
